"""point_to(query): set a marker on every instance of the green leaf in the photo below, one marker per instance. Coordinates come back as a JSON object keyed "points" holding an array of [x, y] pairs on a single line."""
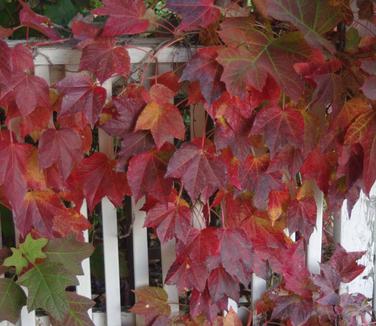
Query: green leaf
{"points": [[77, 314], [17, 260], [12, 299], [32, 249], [68, 252], [46, 284], [60, 12]]}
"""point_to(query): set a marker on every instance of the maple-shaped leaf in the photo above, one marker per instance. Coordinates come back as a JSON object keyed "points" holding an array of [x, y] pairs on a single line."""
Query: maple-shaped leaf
{"points": [[105, 59], [222, 285], [35, 123], [17, 260], [368, 88], [313, 18], [124, 119], [5, 62], [199, 169], [125, 17], [146, 174], [250, 62], [96, 177], [204, 68], [237, 263], [69, 253], [151, 303], [278, 202], [202, 303], [164, 121], [77, 314], [28, 91], [171, 219], [37, 210], [81, 94], [6, 32], [135, 143], [194, 13], [83, 28], [288, 158], [38, 22], [279, 127], [13, 298], [63, 147], [13, 158], [46, 284], [301, 216], [70, 221]]}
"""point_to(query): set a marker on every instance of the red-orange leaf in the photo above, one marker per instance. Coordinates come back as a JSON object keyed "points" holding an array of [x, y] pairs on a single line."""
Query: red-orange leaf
{"points": [[164, 121], [97, 178]]}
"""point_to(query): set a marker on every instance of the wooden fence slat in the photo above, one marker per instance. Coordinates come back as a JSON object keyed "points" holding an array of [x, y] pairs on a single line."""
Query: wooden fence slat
{"points": [[315, 241], [110, 238]]}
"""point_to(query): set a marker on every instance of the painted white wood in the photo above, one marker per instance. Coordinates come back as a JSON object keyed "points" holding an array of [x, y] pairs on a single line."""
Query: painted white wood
{"points": [[140, 250], [43, 321], [110, 238], [99, 319], [258, 289], [315, 241], [43, 71], [356, 231]]}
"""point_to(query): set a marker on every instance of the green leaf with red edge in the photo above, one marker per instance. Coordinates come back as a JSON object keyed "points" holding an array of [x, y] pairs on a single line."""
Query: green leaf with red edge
{"points": [[198, 168], [81, 94], [38, 22], [146, 174], [194, 13], [279, 126], [164, 122], [105, 59], [62, 147], [256, 56], [313, 18], [69, 253], [97, 177], [12, 299], [171, 219], [77, 314], [126, 17], [152, 302], [204, 68]]}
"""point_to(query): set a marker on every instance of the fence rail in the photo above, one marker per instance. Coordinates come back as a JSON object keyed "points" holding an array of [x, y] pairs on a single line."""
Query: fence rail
{"points": [[358, 233]]}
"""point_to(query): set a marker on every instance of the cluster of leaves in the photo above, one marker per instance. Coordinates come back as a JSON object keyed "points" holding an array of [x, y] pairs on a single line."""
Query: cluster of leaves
{"points": [[46, 268], [289, 89]]}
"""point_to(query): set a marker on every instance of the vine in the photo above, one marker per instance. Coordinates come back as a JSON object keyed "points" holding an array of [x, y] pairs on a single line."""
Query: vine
{"points": [[288, 89]]}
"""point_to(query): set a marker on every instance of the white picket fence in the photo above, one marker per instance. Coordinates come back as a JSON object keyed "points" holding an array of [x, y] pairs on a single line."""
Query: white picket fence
{"points": [[357, 233]]}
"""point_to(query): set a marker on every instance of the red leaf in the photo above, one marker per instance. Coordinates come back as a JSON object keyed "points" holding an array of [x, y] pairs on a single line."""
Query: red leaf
{"points": [[81, 94], [202, 303], [104, 59], [199, 169], [164, 121], [35, 123], [171, 219], [70, 221], [84, 29], [125, 17], [279, 127], [204, 69], [312, 17], [124, 120], [301, 216], [63, 147], [97, 178], [277, 204], [194, 13], [222, 285], [248, 63], [38, 22], [38, 210], [288, 159], [5, 63], [146, 174], [6, 32], [135, 143]]}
